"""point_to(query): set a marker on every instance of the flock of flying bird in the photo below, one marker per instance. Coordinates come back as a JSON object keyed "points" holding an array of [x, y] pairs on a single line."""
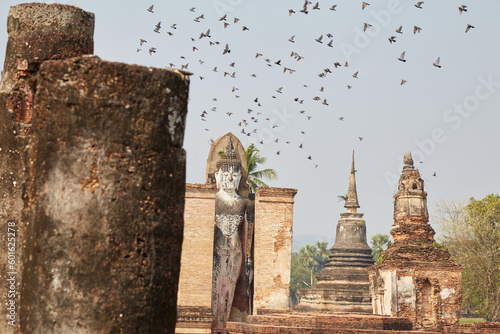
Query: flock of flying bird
{"points": [[249, 125]]}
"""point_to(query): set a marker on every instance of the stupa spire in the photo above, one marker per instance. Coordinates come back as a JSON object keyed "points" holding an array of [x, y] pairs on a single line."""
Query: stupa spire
{"points": [[408, 161], [352, 195]]}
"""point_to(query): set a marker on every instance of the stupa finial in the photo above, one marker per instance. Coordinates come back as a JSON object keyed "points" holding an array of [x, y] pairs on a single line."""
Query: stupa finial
{"points": [[352, 195], [408, 161]]}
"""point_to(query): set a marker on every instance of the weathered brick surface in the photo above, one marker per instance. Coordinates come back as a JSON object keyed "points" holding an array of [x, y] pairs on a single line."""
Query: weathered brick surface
{"points": [[272, 254], [477, 328], [417, 279], [340, 323], [273, 248], [105, 199], [195, 282]]}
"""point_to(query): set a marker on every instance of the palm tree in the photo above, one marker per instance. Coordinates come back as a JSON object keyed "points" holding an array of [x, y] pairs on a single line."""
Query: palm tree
{"points": [[342, 198], [378, 242], [255, 176], [323, 253], [308, 256]]}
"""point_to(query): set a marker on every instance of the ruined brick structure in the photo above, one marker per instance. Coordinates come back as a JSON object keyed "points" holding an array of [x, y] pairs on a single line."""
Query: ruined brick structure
{"points": [[324, 323], [417, 279], [343, 285], [93, 176], [271, 253]]}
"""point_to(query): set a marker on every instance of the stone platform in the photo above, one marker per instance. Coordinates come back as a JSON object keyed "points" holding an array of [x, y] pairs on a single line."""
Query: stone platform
{"points": [[310, 323]]}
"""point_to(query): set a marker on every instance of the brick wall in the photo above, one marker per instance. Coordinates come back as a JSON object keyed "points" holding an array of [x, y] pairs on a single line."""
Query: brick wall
{"points": [[273, 248], [272, 254], [195, 282]]}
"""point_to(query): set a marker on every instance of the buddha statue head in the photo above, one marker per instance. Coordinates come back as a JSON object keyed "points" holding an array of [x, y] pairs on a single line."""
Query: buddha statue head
{"points": [[228, 172]]}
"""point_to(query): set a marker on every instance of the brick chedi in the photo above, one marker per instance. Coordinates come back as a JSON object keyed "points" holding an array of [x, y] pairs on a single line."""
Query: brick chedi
{"points": [[343, 285], [417, 279]]}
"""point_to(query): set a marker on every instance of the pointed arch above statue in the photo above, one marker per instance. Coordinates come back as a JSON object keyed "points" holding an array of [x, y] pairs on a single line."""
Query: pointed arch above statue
{"points": [[214, 156]]}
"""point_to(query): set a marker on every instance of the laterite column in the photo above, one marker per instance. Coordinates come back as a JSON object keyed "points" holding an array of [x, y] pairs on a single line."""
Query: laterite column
{"points": [[36, 32], [105, 199]]}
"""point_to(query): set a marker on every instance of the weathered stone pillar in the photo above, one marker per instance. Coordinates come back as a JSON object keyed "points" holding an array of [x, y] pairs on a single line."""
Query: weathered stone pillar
{"points": [[105, 199], [273, 248], [36, 32]]}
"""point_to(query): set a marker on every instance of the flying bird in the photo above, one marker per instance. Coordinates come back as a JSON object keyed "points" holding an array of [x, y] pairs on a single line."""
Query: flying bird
{"points": [[355, 75], [157, 27], [402, 57], [290, 12], [416, 29], [363, 6], [399, 30], [319, 39], [291, 39], [366, 26], [403, 81], [150, 9], [226, 50], [361, 138], [143, 41], [392, 39], [462, 8], [468, 27], [436, 63], [419, 4], [333, 8], [330, 43]]}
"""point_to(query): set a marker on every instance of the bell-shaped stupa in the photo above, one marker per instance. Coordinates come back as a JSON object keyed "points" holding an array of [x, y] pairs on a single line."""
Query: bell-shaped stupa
{"points": [[343, 285]]}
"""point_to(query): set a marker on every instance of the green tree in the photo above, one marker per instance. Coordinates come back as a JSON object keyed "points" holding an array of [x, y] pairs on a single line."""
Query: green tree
{"points": [[255, 176], [342, 198], [299, 276], [378, 242], [310, 260], [471, 233]]}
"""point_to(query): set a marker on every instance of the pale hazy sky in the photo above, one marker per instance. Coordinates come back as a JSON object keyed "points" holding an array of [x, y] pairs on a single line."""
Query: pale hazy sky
{"points": [[448, 117]]}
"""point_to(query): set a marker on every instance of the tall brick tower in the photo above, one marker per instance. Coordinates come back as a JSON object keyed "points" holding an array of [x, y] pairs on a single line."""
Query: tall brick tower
{"points": [[343, 285], [417, 279]]}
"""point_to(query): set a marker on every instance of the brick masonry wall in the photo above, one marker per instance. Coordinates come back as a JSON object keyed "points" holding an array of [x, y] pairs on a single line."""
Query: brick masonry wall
{"points": [[272, 254], [406, 286], [195, 282], [273, 248]]}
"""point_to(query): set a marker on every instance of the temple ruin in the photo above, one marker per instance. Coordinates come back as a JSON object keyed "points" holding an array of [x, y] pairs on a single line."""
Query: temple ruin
{"points": [[272, 246], [343, 285], [417, 279], [92, 172]]}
